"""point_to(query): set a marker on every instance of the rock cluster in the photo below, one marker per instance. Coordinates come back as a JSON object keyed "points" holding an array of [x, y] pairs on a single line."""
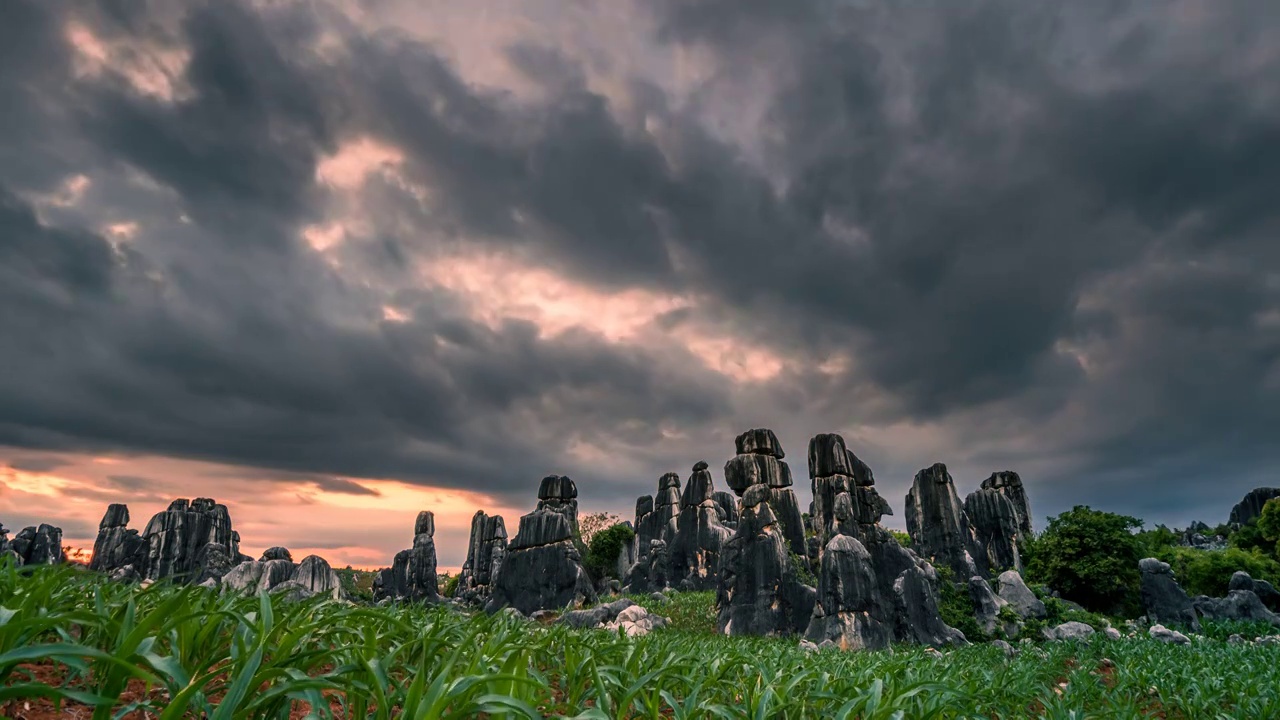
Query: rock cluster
{"points": [[542, 569], [412, 575], [485, 552], [871, 590], [759, 462], [694, 553], [1265, 591], [623, 615], [1250, 507], [189, 542], [276, 572], [1162, 597], [980, 536], [34, 545]]}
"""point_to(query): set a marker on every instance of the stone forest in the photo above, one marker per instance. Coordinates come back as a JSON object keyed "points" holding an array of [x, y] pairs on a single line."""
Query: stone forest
{"points": [[831, 577]]}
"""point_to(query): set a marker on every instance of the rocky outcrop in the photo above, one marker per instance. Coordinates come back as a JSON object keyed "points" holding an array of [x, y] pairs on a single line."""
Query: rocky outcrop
{"points": [[485, 553], [986, 607], [276, 553], [759, 462], [412, 575], [177, 536], [622, 615], [871, 590], [6, 547], [118, 548], [994, 521], [558, 493], [38, 545], [758, 592], [938, 526], [1009, 484], [1265, 591], [1237, 605], [694, 553], [1250, 507], [542, 569], [1164, 634], [1162, 597], [309, 578], [1010, 587], [657, 520], [726, 508]]}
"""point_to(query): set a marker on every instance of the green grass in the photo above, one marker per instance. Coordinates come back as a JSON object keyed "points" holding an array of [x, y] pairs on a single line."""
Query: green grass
{"points": [[223, 656]]}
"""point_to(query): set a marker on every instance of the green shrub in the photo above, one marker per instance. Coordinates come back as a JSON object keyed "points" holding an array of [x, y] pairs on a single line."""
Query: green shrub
{"points": [[955, 605], [690, 612], [1249, 538], [449, 585], [1090, 557], [903, 539], [800, 565], [601, 558], [1208, 572]]}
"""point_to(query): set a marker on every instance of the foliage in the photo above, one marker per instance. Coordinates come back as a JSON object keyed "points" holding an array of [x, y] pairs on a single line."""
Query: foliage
{"points": [[1155, 541], [358, 584], [601, 558], [1090, 557], [688, 612], [1221, 630], [589, 525], [955, 605], [1269, 523], [903, 539], [113, 649], [1249, 538], [804, 573], [1208, 572], [448, 584]]}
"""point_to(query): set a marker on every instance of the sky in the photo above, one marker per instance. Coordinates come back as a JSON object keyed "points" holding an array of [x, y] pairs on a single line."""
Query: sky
{"points": [[333, 262]]}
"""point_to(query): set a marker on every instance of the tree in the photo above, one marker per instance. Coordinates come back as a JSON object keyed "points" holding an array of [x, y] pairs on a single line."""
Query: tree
{"points": [[1089, 557], [602, 552], [1269, 524], [589, 525]]}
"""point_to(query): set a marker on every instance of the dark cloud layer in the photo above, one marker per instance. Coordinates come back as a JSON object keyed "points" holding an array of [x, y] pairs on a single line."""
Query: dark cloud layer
{"points": [[1035, 231]]}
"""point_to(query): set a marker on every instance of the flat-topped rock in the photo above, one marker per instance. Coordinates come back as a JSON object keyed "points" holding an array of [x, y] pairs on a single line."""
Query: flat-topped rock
{"points": [[486, 550], [541, 527], [743, 471], [759, 441]]}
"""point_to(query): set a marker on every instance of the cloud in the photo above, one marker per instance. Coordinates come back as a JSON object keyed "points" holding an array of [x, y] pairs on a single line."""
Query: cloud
{"points": [[982, 234]]}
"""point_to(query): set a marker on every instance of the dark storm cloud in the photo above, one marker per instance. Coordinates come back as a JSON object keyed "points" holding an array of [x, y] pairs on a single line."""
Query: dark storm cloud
{"points": [[1034, 225], [38, 464]]}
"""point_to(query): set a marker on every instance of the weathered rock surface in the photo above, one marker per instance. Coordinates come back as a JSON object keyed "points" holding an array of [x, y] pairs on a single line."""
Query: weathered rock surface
{"points": [[759, 441], [176, 536], [726, 508], [117, 546], [1265, 591], [314, 576], [1164, 634], [1009, 484], [986, 606], [485, 552], [276, 553], [623, 615], [38, 545], [763, 466], [559, 494], [694, 553], [6, 547], [938, 526], [412, 575], [743, 471], [1162, 597], [1250, 507], [994, 521], [542, 569], [1069, 631], [1010, 587], [256, 576], [1237, 605]]}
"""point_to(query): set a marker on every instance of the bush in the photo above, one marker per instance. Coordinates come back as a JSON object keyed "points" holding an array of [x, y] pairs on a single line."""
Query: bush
{"points": [[601, 557], [1249, 537], [800, 566], [692, 612], [1090, 557], [1208, 572], [1153, 542], [450, 585], [955, 605], [903, 539]]}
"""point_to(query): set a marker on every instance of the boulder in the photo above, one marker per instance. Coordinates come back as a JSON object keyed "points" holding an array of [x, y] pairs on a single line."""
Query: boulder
{"points": [[1265, 591], [621, 615], [1011, 588], [1009, 484], [994, 522], [276, 553], [177, 536], [38, 545], [986, 606], [412, 575], [1069, 631], [1250, 507], [1162, 597], [1237, 605], [485, 552], [542, 569], [314, 576], [938, 526], [743, 471], [212, 562], [257, 576], [1164, 634]]}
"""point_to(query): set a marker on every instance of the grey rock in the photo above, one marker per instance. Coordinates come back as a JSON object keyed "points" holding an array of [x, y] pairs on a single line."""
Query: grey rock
{"points": [[485, 552], [1250, 507], [1013, 590], [1164, 634], [412, 575], [276, 553], [1265, 591], [828, 456], [1237, 605], [938, 526], [1111, 633], [994, 522], [759, 441], [542, 569], [257, 576], [694, 552], [38, 545], [1008, 650], [1009, 484], [743, 471], [1069, 631], [559, 494], [176, 537], [1237, 639], [986, 605], [659, 597], [212, 562], [596, 616], [1162, 597], [117, 547], [726, 507], [314, 576]]}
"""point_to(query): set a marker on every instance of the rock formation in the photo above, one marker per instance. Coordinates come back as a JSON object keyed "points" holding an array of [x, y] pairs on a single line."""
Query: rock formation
{"points": [[986, 606], [622, 614], [38, 545], [1162, 597], [1250, 507], [694, 553], [994, 521], [938, 526], [190, 542], [276, 553], [1237, 605], [485, 553], [559, 494], [412, 575], [656, 521], [543, 569], [1011, 588], [871, 590], [759, 462], [279, 574], [6, 548], [1009, 484], [1265, 591], [726, 508]]}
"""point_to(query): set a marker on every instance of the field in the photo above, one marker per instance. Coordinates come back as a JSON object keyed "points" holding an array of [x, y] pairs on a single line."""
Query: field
{"points": [[75, 645]]}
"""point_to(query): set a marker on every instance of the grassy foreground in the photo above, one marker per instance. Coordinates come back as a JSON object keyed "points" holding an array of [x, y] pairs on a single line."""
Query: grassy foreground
{"points": [[71, 641]]}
